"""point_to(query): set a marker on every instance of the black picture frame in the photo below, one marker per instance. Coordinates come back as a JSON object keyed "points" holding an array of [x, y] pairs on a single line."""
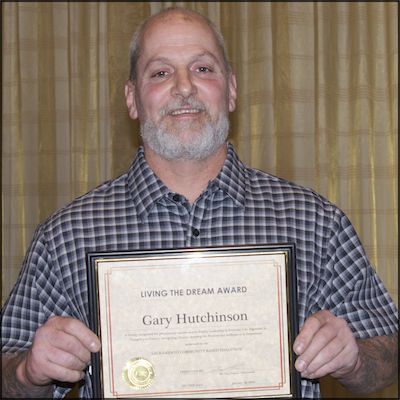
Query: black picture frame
{"points": [[92, 258]]}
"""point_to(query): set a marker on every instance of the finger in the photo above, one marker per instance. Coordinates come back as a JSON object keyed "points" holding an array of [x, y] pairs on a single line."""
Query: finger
{"points": [[322, 358], [58, 355], [344, 362], [41, 368], [69, 344], [60, 335], [333, 341], [67, 360], [77, 329], [342, 339], [310, 328], [62, 374], [48, 339], [320, 344]]}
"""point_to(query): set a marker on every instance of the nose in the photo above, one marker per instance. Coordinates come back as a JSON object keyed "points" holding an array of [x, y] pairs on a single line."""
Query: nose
{"points": [[183, 84]]}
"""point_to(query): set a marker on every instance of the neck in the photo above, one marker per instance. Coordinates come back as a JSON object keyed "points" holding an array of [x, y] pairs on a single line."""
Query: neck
{"points": [[186, 177]]}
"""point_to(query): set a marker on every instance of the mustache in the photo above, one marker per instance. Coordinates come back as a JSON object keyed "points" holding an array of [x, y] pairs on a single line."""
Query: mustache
{"points": [[178, 104]]}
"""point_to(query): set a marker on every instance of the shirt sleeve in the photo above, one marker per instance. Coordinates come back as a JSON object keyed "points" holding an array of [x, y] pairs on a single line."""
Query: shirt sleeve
{"points": [[36, 296], [351, 287], [23, 312]]}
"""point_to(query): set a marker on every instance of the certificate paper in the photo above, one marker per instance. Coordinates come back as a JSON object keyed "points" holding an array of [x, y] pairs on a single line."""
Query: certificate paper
{"points": [[199, 323]]}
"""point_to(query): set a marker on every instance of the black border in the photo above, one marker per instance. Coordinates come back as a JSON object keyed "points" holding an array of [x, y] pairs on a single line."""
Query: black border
{"points": [[93, 318]]}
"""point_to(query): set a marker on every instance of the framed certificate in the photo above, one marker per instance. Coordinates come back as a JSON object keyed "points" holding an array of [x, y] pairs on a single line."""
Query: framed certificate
{"points": [[215, 322]]}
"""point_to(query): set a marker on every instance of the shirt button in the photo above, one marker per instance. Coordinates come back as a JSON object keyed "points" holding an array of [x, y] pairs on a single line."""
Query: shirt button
{"points": [[195, 232], [176, 197]]}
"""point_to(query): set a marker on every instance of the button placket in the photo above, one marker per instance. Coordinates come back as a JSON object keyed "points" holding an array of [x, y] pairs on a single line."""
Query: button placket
{"points": [[194, 227]]}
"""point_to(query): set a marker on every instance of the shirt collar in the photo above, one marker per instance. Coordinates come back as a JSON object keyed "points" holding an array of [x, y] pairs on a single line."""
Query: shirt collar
{"points": [[144, 186], [146, 189], [232, 178]]}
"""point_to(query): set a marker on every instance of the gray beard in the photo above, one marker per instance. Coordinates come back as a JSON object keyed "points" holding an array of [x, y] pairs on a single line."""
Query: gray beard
{"points": [[169, 145]]}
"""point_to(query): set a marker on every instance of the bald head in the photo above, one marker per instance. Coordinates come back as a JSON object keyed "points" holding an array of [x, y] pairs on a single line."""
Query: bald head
{"points": [[165, 16]]}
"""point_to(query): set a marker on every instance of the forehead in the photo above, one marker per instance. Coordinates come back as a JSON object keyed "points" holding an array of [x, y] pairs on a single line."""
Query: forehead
{"points": [[178, 34]]}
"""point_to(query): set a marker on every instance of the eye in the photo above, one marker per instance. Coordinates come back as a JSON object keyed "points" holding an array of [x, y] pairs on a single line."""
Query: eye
{"points": [[159, 74], [204, 69]]}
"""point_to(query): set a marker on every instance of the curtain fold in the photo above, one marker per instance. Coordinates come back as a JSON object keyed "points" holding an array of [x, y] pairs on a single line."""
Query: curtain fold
{"points": [[317, 105], [55, 142]]}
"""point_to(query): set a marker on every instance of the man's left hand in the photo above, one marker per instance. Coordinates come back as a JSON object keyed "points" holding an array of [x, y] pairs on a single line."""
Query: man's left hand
{"points": [[326, 345]]}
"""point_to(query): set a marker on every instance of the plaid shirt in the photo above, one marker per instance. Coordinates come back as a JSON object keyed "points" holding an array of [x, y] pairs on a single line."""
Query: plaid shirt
{"points": [[240, 206]]}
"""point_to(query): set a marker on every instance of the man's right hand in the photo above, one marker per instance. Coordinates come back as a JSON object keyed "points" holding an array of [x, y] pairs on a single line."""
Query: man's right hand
{"points": [[60, 351]]}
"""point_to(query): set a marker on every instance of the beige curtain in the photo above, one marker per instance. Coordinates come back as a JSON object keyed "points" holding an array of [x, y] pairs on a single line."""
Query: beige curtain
{"points": [[55, 125], [317, 105]]}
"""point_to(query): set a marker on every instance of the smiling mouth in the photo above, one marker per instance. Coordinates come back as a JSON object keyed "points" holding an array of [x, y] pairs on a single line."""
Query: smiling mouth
{"points": [[184, 111]]}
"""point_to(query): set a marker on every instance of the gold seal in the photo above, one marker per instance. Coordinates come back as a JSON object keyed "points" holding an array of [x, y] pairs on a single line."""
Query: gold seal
{"points": [[138, 373]]}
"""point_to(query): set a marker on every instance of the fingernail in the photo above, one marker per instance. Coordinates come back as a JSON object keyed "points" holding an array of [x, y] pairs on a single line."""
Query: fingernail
{"points": [[93, 346], [300, 365], [298, 348]]}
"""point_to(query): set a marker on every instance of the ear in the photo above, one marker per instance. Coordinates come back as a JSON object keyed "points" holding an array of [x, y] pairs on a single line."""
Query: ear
{"points": [[232, 92], [130, 99]]}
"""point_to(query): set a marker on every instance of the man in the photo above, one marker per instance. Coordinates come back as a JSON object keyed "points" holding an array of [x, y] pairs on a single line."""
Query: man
{"points": [[187, 188]]}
